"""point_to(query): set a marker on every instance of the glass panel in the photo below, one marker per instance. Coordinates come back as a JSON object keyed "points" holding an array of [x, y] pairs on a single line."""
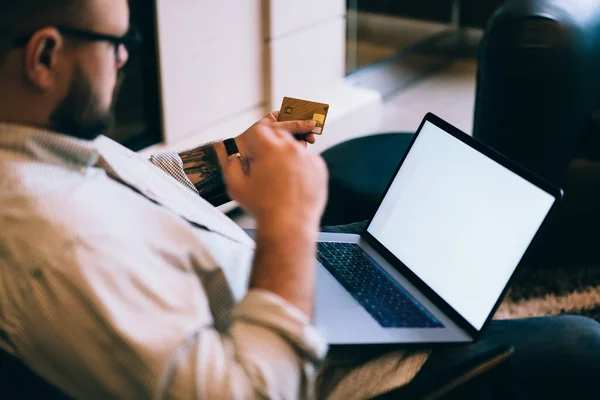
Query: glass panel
{"points": [[137, 106], [378, 30]]}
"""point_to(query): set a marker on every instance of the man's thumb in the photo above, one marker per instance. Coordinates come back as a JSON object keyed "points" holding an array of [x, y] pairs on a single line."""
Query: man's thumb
{"points": [[297, 126]]}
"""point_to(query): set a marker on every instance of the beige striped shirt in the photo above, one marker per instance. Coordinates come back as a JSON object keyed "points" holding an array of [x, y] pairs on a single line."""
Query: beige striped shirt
{"points": [[117, 281]]}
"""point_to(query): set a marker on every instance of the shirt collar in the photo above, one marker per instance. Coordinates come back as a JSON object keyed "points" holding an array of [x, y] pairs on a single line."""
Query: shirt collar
{"points": [[48, 146]]}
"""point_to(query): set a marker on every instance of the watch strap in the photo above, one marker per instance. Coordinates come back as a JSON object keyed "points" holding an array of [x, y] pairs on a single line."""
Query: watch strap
{"points": [[232, 149]]}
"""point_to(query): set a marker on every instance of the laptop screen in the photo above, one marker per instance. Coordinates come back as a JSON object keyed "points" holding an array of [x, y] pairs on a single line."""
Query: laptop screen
{"points": [[459, 221]]}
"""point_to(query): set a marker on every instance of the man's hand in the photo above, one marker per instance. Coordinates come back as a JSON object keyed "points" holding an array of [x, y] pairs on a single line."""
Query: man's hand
{"points": [[285, 182], [285, 190], [300, 129], [203, 165]]}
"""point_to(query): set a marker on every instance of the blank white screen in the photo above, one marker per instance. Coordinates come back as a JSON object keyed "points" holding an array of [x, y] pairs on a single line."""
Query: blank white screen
{"points": [[460, 221]]}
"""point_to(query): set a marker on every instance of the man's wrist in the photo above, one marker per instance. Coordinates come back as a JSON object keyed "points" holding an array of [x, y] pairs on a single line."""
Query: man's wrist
{"points": [[285, 262], [243, 155], [221, 153], [242, 146], [287, 225]]}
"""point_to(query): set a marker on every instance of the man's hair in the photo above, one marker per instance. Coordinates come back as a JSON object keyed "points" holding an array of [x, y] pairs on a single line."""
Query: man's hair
{"points": [[24, 17]]}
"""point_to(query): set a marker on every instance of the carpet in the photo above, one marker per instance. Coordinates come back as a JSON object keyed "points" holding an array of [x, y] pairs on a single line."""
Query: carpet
{"points": [[544, 292]]}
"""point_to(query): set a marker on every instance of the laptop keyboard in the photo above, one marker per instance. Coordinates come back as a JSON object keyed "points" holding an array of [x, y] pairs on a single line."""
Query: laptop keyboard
{"points": [[386, 301]]}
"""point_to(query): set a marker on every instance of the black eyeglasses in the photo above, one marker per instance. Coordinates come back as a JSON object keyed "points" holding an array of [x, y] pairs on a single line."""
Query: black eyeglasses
{"points": [[130, 40]]}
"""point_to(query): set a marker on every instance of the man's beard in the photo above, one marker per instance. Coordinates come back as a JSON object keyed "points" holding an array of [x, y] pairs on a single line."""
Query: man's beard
{"points": [[79, 114]]}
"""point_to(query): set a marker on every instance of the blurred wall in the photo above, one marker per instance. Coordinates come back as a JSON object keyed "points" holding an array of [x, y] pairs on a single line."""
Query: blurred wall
{"points": [[225, 63]]}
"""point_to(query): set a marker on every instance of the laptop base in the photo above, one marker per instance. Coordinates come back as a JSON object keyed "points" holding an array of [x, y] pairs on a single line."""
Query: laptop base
{"points": [[342, 320]]}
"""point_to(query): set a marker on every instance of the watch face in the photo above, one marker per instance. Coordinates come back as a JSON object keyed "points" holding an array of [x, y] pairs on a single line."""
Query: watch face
{"points": [[231, 147]]}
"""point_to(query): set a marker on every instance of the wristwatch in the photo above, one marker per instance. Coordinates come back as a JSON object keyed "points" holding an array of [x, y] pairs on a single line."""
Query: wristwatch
{"points": [[232, 149]]}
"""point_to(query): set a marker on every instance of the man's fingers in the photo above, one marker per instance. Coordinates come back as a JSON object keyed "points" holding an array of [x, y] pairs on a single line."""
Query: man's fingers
{"points": [[270, 118], [262, 135], [310, 138], [297, 126], [266, 136], [306, 138]]}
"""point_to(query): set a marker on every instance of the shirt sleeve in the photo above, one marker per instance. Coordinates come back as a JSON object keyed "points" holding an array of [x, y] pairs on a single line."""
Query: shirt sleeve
{"points": [[271, 352], [171, 163]]}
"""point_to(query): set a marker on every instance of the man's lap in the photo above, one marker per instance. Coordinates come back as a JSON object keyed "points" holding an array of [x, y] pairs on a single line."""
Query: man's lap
{"points": [[553, 356]]}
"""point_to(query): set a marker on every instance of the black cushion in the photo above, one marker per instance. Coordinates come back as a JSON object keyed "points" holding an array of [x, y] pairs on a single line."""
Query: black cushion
{"points": [[17, 381], [360, 170], [538, 84], [538, 102]]}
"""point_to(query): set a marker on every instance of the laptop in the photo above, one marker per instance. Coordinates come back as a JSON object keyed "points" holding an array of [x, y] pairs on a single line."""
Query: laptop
{"points": [[436, 259]]}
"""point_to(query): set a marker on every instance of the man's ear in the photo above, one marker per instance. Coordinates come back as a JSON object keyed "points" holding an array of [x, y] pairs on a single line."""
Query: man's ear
{"points": [[42, 56]]}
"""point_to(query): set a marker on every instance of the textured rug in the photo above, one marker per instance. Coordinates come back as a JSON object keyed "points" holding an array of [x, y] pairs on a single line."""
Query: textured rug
{"points": [[539, 292]]}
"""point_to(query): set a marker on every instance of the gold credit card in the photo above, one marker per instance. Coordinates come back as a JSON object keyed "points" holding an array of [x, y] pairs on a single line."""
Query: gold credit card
{"points": [[300, 110]]}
